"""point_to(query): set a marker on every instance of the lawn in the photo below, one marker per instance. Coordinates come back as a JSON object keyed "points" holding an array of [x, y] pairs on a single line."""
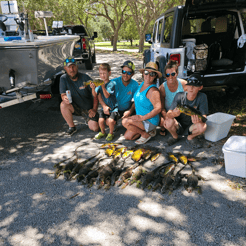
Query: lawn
{"points": [[122, 44]]}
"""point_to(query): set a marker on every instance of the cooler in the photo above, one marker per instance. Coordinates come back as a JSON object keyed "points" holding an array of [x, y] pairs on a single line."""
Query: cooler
{"points": [[234, 151]]}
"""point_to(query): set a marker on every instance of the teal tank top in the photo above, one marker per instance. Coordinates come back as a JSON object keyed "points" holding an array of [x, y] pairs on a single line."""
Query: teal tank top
{"points": [[170, 95], [143, 105]]}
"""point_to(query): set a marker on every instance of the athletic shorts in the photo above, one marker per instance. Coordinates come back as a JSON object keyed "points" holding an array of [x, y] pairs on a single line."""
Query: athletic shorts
{"points": [[113, 115], [184, 130], [79, 112], [148, 126]]}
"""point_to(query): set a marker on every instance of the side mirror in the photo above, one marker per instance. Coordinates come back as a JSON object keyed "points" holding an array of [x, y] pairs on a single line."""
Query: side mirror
{"points": [[148, 38], [95, 35]]}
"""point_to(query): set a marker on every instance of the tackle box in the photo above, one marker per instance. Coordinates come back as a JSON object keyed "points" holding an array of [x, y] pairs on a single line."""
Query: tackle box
{"points": [[234, 151], [218, 126]]}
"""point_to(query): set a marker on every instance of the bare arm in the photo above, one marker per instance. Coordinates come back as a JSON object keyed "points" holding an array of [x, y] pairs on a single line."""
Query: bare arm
{"points": [[104, 105], [105, 92], [163, 95], [129, 112], [64, 98]]}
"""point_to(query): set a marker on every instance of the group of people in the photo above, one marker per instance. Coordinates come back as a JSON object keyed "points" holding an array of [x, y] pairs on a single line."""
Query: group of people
{"points": [[142, 108]]}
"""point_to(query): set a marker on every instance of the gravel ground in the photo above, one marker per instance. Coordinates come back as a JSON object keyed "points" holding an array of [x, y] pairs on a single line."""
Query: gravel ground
{"points": [[36, 209]]}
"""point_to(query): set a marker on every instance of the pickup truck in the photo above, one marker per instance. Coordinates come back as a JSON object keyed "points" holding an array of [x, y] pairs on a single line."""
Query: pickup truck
{"points": [[206, 37], [84, 50]]}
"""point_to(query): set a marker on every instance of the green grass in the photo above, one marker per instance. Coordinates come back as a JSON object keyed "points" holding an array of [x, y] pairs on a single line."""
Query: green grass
{"points": [[121, 44]]}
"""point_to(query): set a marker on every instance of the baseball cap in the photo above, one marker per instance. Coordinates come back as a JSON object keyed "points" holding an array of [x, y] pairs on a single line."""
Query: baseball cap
{"points": [[129, 64], [195, 80], [69, 61]]}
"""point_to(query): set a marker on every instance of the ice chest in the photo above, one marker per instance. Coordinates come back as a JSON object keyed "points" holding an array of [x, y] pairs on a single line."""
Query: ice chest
{"points": [[218, 126], [234, 151]]}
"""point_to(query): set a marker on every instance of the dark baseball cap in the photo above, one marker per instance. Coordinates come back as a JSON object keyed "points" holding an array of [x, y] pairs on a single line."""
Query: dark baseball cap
{"points": [[195, 80], [69, 61], [129, 64]]}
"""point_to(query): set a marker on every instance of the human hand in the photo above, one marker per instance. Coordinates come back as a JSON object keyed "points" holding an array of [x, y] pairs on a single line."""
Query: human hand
{"points": [[137, 118], [106, 109], [65, 100], [126, 114], [195, 119], [176, 112], [92, 113]]}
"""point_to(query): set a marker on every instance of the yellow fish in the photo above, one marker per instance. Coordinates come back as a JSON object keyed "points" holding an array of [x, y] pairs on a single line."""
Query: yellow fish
{"points": [[110, 151], [108, 145], [127, 153], [118, 152], [155, 157], [147, 154], [172, 157], [183, 159], [96, 82], [136, 156]]}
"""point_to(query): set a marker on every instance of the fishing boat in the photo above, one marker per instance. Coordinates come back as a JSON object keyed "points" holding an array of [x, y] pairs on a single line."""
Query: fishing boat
{"points": [[29, 63]]}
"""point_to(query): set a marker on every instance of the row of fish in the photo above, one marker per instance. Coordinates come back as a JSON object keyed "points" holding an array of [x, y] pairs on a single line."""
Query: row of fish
{"points": [[115, 172]]}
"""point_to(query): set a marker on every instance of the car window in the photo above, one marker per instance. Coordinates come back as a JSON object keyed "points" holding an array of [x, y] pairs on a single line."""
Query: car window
{"points": [[244, 20], [159, 30], [168, 29]]}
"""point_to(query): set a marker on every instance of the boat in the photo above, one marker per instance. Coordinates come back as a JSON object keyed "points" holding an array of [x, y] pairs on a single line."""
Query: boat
{"points": [[29, 63]]}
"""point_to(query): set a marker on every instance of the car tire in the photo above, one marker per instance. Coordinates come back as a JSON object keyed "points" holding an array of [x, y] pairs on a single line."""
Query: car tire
{"points": [[94, 57], [88, 63]]}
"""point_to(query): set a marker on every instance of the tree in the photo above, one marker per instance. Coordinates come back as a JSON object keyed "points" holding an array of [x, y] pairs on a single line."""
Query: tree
{"points": [[144, 11], [115, 11]]}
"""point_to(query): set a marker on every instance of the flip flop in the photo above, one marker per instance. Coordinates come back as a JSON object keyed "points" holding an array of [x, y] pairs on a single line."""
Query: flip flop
{"points": [[152, 133], [163, 132], [142, 140]]}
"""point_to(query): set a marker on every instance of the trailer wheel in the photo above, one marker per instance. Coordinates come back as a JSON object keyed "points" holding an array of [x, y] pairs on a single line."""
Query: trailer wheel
{"points": [[94, 57]]}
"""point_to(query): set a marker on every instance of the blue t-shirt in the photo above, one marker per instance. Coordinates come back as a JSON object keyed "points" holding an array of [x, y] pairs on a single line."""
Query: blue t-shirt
{"points": [[111, 101], [124, 94], [81, 94], [143, 105]]}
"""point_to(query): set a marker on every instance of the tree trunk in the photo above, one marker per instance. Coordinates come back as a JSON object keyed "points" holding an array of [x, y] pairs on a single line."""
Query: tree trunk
{"points": [[141, 42], [115, 40], [131, 41], [112, 40]]}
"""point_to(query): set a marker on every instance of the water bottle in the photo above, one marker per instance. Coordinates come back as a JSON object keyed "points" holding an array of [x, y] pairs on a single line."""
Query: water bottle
{"points": [[68, 93]]}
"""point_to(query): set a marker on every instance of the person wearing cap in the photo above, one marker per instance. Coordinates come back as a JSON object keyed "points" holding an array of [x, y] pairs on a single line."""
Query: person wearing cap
{"points": [[178, 123], [82, 98], [147, 105], [125, 88], [169, 89]]}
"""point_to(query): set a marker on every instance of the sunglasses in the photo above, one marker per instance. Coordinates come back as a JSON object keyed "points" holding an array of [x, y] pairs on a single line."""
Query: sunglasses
{"points": [[194, 81], [168, 74], [126, 72], [152, 74], [69, 60]]}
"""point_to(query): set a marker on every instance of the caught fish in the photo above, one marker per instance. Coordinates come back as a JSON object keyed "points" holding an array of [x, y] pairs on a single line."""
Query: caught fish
{"points": [[96, 82], [127, 154], [147, 154], [108, 145], [172, 157], [169, 169], [188, 110], [137, 155], [118, 152], [155, 157], [183, 159], [110, 151]]}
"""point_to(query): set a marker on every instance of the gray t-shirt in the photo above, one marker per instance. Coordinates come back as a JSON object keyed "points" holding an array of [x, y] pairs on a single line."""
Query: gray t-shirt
{"points": [[200, 103], [81, 94]]}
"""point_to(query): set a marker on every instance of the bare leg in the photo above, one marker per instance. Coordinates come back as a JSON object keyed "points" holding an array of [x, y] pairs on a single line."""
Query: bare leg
{"points": [[196, 130], [93, 125], [111, 124], [172, 125], [101, 123], [67, 113]]}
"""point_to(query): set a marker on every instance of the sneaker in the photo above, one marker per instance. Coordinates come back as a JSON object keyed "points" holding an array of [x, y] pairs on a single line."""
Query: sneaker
{"points": [[71, 130], [110, 137], [172, 141], [100, 135]]}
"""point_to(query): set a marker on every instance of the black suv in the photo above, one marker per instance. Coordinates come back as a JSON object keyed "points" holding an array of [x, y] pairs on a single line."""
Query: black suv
{"points": [[204, 36], [84, 49]]}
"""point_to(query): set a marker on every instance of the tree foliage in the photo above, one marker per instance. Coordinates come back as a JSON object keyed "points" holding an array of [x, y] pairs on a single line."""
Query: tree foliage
{"points": [[115, 11]]}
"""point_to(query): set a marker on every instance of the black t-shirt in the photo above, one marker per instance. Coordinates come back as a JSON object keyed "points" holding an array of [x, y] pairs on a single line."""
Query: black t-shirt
{"points": [[200, 103], [81, 94]]}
